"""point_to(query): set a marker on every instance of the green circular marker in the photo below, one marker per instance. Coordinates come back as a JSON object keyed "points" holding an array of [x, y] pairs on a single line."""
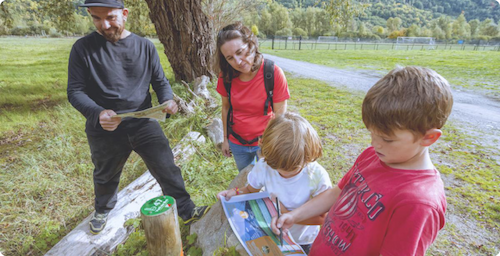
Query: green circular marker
{"points": [[157, 205]]}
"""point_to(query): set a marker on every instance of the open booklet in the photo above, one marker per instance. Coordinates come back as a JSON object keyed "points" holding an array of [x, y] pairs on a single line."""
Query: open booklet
{"points": [[250, 218], [154, 112]]}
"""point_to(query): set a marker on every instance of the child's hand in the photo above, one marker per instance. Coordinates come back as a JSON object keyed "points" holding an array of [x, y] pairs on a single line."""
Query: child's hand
{"points": [[226, 194], [285, 222]]}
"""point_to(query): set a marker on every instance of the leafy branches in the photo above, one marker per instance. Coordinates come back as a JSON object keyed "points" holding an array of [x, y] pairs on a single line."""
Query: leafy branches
{"points": [[342, 11], [61, 11]]}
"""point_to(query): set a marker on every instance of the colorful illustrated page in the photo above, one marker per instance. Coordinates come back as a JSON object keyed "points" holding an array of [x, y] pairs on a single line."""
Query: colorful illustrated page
{"points": [[250, 217]]}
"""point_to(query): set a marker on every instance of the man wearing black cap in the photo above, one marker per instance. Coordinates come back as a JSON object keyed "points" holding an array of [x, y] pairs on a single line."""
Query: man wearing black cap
{"points": [[110, 72]]}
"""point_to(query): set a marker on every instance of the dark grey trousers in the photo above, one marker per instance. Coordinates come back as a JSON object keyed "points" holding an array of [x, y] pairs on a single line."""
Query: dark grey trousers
{"points": [[110, 152]]}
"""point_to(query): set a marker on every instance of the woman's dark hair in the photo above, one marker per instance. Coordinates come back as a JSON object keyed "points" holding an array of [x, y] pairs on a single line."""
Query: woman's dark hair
{"points": [[231, 32]]}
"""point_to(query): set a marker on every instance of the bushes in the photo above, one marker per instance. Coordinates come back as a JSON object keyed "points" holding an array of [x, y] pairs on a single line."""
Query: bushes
{"points": [[30, 30], [299, 32], [53, 33], [284, 32]]}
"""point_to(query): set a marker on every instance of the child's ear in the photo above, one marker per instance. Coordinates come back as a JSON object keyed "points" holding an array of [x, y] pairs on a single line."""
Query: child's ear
{"points": [[431, 136]]}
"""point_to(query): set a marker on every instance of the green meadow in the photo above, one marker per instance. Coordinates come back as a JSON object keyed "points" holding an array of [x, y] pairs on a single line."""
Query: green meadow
{"points": [[46, 184]]}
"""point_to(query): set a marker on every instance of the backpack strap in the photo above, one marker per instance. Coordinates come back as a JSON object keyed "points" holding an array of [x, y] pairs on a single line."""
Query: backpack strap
{"points": [[269, 84], [229, 121]]}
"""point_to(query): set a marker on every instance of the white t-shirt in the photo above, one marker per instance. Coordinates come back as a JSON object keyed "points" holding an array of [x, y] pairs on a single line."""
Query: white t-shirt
{"points": [[293, 192]]}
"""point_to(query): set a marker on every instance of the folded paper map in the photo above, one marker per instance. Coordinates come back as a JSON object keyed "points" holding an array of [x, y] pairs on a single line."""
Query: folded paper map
{"points": [[154, 112]]}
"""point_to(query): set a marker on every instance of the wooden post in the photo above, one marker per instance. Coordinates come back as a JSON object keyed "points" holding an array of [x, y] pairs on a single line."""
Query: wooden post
{"points": [[161, 227]]}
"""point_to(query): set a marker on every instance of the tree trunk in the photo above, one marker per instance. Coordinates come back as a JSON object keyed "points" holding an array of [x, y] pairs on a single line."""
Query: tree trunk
{"points": [[185, 32]]}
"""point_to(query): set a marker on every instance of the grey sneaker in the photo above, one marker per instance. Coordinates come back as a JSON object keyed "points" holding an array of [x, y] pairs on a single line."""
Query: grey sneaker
{"points": [[197, 213], [98, 222]]}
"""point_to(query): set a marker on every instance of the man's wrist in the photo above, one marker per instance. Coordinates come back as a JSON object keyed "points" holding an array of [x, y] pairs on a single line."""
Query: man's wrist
{"points": [[102, 112]]}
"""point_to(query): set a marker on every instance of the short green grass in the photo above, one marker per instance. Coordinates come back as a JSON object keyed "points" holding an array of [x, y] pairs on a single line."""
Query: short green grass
{"points": [[473, 70], [46, 172]]}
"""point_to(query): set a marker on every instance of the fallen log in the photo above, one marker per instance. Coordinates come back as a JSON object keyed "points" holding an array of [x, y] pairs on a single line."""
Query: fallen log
{"points": [[184, 108], [200, 87], [130, 199], [186, 85], [215, 133]]}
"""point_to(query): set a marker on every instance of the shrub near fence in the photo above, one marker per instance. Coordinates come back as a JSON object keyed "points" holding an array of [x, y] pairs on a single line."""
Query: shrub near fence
{"points": [[311, 43]]}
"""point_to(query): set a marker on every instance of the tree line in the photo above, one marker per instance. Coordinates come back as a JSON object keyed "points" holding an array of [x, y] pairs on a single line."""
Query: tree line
{"points": [[405, 20], [376, 19]]}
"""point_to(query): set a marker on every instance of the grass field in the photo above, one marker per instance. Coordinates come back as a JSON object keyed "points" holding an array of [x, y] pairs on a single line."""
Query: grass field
{"points": [[46, 172], [471, 70]]}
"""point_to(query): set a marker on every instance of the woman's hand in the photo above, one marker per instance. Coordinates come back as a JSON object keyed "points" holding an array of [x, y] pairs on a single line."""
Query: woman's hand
{"points": [[225, 148]]}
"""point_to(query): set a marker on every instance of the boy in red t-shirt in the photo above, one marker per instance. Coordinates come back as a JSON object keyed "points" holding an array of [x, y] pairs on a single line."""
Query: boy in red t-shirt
{"points": [[392, 201]]}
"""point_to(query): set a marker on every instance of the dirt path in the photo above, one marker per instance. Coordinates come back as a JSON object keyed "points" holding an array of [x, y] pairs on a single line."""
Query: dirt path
{"points": [[477, 114]]}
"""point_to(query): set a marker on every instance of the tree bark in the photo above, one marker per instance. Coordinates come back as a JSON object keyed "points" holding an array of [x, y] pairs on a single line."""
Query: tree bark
{"points": [[185, 32]]}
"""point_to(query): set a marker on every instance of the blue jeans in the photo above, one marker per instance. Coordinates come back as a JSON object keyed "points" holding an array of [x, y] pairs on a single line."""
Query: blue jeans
{"points": [[244, 155]]}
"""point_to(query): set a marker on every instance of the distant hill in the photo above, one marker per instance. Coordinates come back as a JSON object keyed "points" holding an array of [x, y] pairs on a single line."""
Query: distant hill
{"points": [[416, 11]]}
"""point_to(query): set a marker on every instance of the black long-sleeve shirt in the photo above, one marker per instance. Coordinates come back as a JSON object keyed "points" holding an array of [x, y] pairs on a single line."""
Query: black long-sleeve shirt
{"points": [[104, 75]]}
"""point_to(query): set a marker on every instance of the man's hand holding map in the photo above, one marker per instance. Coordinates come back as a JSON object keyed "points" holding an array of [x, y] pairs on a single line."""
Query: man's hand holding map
{"points": [[159, 112]]}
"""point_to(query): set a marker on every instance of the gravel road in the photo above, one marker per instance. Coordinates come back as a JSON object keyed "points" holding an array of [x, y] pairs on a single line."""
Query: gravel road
{"points": [[477, 114]]}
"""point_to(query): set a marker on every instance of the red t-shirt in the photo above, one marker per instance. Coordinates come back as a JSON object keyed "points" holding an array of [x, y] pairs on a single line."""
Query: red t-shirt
{"points": [[383, 211], [248, 98]]}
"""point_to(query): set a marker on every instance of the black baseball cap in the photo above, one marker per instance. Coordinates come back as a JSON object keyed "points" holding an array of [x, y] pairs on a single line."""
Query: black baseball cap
{"points": [[104, 3]]}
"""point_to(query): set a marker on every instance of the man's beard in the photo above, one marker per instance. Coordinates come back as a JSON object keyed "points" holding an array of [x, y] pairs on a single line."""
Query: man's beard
{"points": [[114, 36]]}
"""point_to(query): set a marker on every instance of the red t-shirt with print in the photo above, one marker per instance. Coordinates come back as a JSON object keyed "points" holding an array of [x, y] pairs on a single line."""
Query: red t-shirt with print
{"points": [[383, 211], [248, 98]]}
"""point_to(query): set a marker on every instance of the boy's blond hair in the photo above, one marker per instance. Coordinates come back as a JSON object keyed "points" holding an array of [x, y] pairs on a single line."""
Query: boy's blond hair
{"points": [[290, 142], [412, 98]]}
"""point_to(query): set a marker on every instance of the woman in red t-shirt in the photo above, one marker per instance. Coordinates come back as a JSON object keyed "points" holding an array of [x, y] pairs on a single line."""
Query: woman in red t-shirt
{"points": [[242, 65]]}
